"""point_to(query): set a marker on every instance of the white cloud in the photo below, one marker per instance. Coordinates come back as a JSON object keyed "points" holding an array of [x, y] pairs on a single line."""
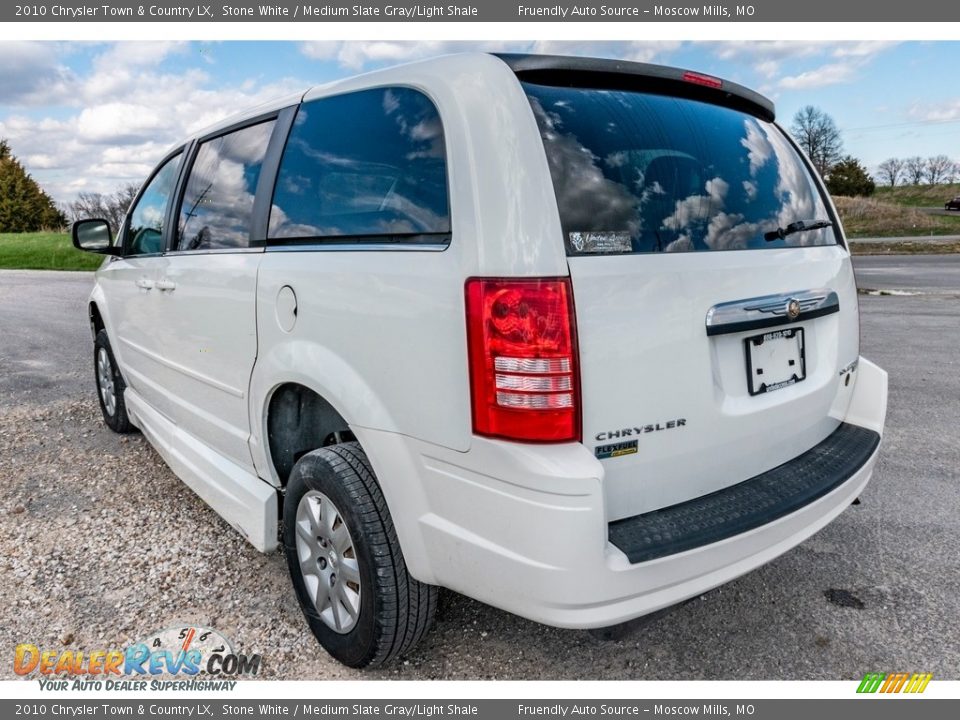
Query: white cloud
{"points": [[357, 56], [765, 50], [42, 161], [829, 74], [636, 51], [32, 74], [118, 117], [941, 112], [120, 122], [838, 62], [863, 49], [139, 54]]}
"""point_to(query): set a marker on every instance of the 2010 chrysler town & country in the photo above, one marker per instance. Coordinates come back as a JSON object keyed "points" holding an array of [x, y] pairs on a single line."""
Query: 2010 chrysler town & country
{"points": [[576, 338]]}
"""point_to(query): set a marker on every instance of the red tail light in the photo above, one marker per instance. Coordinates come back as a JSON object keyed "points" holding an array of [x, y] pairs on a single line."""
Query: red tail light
{"points": [[700, 79], [522, 343]]}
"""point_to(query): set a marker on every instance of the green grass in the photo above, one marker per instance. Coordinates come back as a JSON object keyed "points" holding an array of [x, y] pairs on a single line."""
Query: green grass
{"points": [[877, 217], [44, 251], [918, 195]]}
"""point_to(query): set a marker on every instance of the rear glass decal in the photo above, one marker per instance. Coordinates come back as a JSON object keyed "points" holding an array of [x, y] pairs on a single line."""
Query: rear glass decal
{"points": [[589, 243]]}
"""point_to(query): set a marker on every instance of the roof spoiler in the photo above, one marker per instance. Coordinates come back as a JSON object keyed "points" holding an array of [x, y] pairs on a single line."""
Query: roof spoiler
{"points": [[565, 71]]}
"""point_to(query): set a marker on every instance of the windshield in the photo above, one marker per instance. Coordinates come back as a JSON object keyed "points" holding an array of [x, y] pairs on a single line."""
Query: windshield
{"points": [[641, 173]]}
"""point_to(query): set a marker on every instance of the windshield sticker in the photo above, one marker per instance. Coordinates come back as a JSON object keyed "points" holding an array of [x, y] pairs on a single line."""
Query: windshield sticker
{"points": [[600, 242]]}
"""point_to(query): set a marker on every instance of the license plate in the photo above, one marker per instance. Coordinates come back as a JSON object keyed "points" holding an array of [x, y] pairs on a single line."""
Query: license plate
{"points": [[775, 360]]}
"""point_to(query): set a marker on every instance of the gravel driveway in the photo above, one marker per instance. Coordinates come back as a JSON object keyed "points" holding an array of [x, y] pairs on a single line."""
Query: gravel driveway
{"points": [[100, 544]]}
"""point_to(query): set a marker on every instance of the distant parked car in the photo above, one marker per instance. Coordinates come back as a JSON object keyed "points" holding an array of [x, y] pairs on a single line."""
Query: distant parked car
{"points": [[953, 204]]}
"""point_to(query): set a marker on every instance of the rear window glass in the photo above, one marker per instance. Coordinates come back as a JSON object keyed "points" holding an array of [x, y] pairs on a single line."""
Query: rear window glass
{"points": [[370, 164], [643, 173]]}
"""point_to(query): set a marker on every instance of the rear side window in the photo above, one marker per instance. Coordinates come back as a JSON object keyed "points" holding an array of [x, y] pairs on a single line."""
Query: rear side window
{"points": [[368, 165], [217, 206], [643, 173]]}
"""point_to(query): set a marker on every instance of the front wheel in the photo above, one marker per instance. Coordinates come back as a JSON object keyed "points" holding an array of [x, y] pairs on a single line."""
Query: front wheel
{"points": [[345, 560], [110, 386]]}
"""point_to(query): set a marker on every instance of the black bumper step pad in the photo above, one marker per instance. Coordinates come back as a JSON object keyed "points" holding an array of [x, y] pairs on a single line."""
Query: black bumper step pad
{"points": [[749, 504]]}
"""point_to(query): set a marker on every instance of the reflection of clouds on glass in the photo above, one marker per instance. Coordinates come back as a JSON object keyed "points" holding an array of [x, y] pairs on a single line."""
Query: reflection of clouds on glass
{"points": [[294, 184], [365, 163], [616, 159], [424, 133], [683, 243], [799, 201], [151, 216], [677, 175], [380, 226], [218, 202], [757, 144], [390, 102], [279, 219], [150, 208], [729, 231], [734, 230], [695, 209], [590, 200]]}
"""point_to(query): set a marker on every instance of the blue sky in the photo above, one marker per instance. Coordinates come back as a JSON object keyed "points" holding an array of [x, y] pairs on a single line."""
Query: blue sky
{"points": [[89, 117]]}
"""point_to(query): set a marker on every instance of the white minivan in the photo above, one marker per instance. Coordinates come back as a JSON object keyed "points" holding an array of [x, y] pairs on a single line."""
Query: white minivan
{"points": [[577, 338]]}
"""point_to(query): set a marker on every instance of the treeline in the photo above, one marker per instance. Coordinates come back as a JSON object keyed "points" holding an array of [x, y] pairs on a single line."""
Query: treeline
{"points": [[935, 170], [818, 135]]}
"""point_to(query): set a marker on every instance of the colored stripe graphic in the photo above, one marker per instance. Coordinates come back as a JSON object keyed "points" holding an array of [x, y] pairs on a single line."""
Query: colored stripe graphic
{"points": [[871, 682], [918, 683], [888, 683]]}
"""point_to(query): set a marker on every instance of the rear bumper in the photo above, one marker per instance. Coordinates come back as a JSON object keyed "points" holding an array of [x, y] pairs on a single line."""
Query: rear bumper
{"points": [[750, 504], [524, 528]]}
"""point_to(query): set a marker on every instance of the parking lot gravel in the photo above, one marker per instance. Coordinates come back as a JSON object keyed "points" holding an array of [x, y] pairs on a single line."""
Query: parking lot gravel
{"points": [[100, 544]]}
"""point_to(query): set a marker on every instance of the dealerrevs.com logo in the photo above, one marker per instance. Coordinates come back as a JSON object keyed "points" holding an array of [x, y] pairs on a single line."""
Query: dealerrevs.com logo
{"points": [[200, 658]]}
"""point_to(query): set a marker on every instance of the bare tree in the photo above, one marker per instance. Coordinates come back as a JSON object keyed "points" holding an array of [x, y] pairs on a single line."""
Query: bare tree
{"points": [[952, 173], [915, 168], [819, 136], [110, 207], [891, 171], [938, 167]]}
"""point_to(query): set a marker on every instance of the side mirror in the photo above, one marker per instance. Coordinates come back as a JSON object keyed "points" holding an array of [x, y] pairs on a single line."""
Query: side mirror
{"points": [[94, 236]]}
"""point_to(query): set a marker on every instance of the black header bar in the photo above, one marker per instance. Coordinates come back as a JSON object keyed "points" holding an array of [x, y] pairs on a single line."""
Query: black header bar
{"points": [[482, 11]]}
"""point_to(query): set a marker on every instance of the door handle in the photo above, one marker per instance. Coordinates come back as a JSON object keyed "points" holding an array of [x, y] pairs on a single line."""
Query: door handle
{"points": [[145, 283], [166, 285]]}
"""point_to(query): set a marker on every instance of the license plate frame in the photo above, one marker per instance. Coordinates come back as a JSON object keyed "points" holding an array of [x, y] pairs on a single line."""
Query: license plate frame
{"points": [[775, 360]]}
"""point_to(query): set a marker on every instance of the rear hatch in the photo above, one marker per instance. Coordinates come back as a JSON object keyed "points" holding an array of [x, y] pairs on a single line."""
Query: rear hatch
{"points": [[712, 327]]}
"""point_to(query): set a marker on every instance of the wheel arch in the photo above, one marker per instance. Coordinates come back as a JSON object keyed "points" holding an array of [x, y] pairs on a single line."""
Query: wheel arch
{"points": [[297, 420], [307, 369], [96, 318]]}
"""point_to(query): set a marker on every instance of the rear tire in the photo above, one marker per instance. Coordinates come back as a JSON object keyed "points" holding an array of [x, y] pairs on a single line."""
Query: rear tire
{"points": [[110, 386], [345, 560]]}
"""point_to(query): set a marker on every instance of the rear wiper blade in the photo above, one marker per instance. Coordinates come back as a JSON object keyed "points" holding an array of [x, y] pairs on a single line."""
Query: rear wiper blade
{"points": [[795, 227]]}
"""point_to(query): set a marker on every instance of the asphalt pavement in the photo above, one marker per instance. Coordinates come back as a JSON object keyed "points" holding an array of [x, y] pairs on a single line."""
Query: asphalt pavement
{"points": [[934, 274], [99, 529]]}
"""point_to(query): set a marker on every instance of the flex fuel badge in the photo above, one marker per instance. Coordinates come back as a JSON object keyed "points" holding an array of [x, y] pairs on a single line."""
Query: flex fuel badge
{"points": [[613, 450], [629, 447]]}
